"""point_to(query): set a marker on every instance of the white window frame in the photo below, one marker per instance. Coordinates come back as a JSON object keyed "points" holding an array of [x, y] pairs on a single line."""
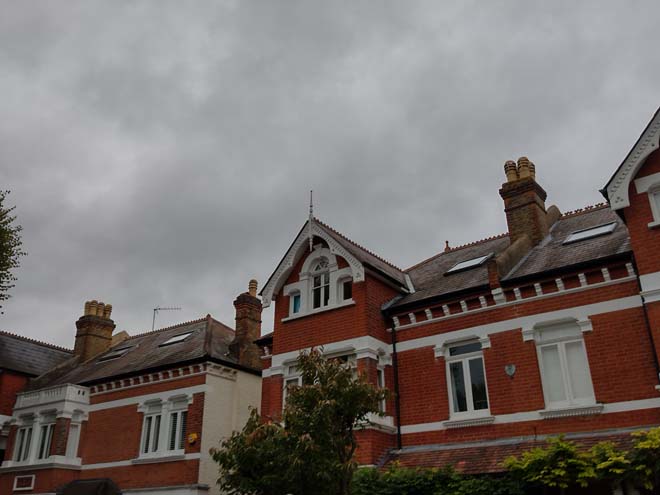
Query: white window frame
{"points": [[150, 442], [465, 360], [166, 410], [23, 443], [380, 381], [46, 431], [176, 430], [323, 276], [292, 377], [340, 289], [305, 284], [561, 340]]}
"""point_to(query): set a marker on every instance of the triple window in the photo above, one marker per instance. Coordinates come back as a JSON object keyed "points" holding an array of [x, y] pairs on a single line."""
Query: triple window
{"points": [[467, 380], [164, 428]]}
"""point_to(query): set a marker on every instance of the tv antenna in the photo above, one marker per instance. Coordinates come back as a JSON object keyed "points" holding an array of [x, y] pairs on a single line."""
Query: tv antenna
{"points": [[156, 310]]}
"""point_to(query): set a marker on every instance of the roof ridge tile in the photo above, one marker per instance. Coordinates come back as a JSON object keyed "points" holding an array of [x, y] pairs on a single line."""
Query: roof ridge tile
{"points": [[586, 209], [357, 245], [35, 341], [198, 320]]}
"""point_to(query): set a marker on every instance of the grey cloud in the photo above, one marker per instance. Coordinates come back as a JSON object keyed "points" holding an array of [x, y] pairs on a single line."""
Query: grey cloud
{"points": [[162, 152]]}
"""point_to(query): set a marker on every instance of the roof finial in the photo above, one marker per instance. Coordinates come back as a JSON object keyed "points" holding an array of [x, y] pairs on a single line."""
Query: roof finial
{"points": [[447, 248], [311, 220]]}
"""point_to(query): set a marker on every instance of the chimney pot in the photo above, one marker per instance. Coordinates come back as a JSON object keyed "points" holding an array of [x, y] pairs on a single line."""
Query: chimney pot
{"points": [[100, 309], [87, 308], [532, 170], [523, 167], [94, 330], [511, 171], [108, 311], [252, 288]]}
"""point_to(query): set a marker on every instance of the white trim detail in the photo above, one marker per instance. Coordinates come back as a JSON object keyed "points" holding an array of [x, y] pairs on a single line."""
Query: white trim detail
{"points": [[617, 188], [296, 250], [571, 411], [650, 287], [465, 423], [130, 462], [139, 399], [579, 313], [643, 184], [25, 488], [614, 407]]}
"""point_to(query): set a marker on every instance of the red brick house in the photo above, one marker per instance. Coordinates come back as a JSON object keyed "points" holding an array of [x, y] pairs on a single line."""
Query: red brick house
{"points": [[552, 327], [136, 413], [21, 359]]}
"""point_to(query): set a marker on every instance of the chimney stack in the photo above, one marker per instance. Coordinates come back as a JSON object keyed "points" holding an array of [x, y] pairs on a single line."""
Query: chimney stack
{"points": [[524, 202], [248, 327], [94, 330]]}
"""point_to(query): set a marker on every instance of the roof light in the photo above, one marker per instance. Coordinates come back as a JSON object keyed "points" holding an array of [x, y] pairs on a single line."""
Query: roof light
{"points": [[471, 263], [176, 339], [580, 235], [117, 353]]}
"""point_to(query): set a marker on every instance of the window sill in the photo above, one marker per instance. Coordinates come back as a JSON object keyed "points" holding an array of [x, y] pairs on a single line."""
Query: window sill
{"points": [[654, 224], [384, 423], [567, 412], [297, 316], [170, 456], [468, 422], [54, 461]]}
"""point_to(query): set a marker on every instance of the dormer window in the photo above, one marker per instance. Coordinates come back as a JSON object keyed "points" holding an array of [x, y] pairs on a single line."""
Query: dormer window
{"points": [[467, 264], [321, 287]]}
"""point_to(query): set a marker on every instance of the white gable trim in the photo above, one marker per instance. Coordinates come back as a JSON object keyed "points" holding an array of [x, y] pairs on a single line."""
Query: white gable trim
{"points": [[617, 188], [296, 250]]}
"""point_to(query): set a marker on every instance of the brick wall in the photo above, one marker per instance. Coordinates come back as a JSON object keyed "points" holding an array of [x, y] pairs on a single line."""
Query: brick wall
{"points": [[10, 384]]}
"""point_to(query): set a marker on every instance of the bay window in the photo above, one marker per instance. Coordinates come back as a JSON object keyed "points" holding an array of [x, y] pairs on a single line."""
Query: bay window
{"points": [[468, 395], [45, 440]]}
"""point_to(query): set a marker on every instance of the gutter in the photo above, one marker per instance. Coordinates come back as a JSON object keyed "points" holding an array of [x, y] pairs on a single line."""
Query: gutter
{"points": [[397, 400]]}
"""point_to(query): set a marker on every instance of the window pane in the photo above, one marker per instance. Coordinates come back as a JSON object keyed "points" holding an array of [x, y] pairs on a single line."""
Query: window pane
{"points": [[28, 441], [326, 278], [20, 443], [296, 303], [147, 433], [317, 298], [552, 377], [326, 295], [656, 200], [576, 361], [464, 348], [317, 281], [458, 387], [478, 381], [42, 441], [156, 433], [174, 417], [182, 436], [348, 290]]}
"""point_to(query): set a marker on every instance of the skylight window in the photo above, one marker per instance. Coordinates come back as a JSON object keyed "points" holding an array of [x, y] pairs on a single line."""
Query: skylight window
{"points": [[176, 339], [467, 264], [117, 353], [580, 235]]}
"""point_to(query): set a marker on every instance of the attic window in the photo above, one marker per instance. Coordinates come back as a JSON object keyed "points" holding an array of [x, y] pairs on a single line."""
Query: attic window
{"points": [[117, 353], [467, 264], [580, 235], [176, 339]]}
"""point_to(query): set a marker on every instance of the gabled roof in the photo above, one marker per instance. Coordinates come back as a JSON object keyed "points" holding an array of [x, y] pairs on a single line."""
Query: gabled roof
{"points": [[209, 339], [616, 189], [28, 356], [431, 280], [355, 255]]}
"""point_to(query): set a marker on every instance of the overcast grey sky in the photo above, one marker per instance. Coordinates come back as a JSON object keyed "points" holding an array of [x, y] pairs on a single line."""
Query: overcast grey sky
{"points": [[161, 153]]}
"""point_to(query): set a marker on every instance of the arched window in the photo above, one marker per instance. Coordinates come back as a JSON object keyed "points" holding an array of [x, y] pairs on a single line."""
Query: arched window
{"points": [[320, 283]]}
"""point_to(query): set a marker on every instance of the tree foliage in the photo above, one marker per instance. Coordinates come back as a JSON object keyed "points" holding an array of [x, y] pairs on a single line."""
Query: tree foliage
{"points": [[312, 449], [10, 247]]}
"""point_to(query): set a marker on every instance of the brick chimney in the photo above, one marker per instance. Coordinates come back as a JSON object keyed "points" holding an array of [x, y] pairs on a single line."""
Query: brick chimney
{"points": [[248, 327], [95, 327], [524, 202]]}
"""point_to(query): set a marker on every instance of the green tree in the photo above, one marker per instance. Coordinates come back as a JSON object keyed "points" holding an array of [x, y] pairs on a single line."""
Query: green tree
{"points": [[10, 247], [312, 450], [645, 458]]}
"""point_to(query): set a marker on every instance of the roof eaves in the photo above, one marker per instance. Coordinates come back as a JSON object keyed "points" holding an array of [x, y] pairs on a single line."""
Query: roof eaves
{"points": [[34, 341]]}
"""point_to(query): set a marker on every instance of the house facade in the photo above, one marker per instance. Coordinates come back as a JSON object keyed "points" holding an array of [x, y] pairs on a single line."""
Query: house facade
{"points": [[551, 328], [138, 413]]}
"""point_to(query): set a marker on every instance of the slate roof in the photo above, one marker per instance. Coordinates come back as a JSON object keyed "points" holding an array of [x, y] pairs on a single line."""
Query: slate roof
{"points": [[551, 255], [210, 339], [28, 356], [484, 458]]}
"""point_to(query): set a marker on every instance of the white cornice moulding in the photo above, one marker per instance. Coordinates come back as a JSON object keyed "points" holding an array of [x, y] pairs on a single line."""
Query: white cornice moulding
{"points": [[643, 184]]}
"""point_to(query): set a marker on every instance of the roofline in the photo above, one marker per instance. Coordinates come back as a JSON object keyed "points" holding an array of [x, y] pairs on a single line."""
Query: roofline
{"points": [[154, 369], [37, 342], [447, 296]]}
